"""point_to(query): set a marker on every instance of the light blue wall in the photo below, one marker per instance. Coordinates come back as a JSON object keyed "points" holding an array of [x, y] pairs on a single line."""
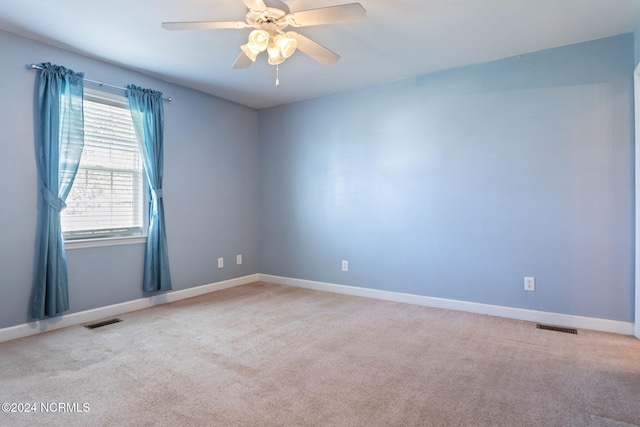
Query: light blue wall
{"points": [[210, 189], [636, 44], [453, 184], [458, 184]]}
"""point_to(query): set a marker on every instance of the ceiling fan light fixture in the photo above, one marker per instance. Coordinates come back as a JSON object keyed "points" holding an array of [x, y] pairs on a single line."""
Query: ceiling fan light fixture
{"points": [[251, 53], [275, 55], [259, 40], [275, 61], [286, 44]]}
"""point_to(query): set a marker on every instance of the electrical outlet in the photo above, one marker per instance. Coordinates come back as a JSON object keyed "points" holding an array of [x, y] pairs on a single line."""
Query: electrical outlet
{"points": [[530, 284], [345, 265], [220, 262], [238, 259]]}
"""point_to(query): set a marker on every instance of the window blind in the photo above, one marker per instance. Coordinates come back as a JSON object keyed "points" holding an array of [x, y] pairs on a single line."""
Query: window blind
{"points": [[107, 197]]}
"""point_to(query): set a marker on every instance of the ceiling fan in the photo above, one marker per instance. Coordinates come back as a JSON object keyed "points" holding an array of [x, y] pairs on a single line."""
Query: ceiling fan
{"points": [[269, 24]]}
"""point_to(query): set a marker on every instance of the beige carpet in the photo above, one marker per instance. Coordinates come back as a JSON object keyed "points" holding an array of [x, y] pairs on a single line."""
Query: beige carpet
{"points": [[269, 355]]}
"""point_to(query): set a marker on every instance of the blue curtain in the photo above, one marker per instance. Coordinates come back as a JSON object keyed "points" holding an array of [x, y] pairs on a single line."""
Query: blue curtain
{"points": [[59, 138], [148, 121]]}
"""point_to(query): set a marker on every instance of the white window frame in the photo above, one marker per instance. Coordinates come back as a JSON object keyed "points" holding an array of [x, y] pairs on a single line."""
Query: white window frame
{"points": [[129, 236]]}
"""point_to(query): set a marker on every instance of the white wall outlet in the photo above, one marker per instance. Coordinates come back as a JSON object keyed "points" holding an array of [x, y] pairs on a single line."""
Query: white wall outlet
{"points": [[530, 284], [238, 259], [220, 262], [345, 265]]}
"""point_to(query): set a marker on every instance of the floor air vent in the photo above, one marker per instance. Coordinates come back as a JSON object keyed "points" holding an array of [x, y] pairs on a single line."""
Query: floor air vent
{"points": [[557, 329], [103, 323]]}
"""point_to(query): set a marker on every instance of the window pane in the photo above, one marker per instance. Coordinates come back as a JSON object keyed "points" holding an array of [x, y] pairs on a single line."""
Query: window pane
{"points": [[106, 199]]}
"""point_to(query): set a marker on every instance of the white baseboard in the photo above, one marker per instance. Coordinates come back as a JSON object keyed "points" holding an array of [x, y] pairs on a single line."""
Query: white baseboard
{"points": [[32, 328], [566, 320], [557, 319]]}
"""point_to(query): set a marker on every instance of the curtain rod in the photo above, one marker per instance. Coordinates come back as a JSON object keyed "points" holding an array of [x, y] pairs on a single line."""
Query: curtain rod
{"points": [[37, 67]]}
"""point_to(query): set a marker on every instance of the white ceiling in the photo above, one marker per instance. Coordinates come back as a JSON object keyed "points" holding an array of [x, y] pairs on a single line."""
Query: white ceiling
{"points": [[400, 38]]}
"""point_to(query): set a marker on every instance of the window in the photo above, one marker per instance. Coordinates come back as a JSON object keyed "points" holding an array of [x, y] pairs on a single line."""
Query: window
{"points": [[107, 196]]}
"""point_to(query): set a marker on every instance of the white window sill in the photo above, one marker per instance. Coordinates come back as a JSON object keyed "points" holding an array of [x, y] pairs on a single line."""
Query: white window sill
{"points": [[96, 243]]}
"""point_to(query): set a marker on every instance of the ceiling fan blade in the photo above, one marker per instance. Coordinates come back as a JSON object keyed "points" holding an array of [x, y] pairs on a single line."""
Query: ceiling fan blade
{"points": [[256, 5], [243, 61], [328, 15], [314, 50], [203, 25]]}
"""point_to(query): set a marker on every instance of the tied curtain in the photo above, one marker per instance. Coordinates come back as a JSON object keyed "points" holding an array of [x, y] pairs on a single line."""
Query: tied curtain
{"points": [[59, 139], [148, 120]]}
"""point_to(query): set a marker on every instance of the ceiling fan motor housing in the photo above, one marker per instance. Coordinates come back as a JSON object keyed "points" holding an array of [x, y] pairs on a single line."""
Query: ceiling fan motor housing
{"points": [[269, 20]]}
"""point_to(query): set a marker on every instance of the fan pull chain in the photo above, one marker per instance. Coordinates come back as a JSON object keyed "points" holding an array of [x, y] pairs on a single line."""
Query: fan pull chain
{"points": [[277, 75]]}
